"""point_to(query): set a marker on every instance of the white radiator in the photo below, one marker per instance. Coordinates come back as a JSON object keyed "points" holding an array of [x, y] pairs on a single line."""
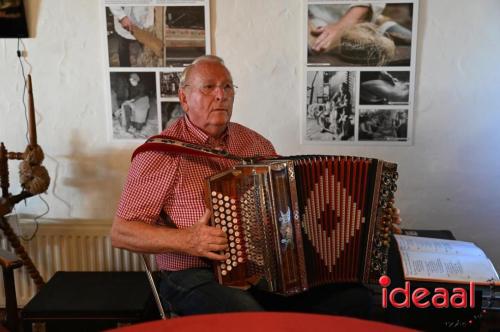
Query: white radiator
{"points": [[69, 245]]}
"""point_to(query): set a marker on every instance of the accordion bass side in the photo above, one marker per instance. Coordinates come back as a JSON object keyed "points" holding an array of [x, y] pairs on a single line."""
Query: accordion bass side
{"points": [[303, 221]]}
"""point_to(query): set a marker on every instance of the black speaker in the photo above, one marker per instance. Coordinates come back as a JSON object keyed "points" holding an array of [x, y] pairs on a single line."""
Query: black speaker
{"points": [[90, 301]]}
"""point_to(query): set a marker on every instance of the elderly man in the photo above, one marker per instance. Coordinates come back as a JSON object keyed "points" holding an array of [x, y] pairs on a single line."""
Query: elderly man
{"points": [[163, 188]]}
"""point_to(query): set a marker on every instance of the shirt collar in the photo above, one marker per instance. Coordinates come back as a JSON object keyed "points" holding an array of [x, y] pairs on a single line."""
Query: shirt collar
{"points": [[203, 137]]}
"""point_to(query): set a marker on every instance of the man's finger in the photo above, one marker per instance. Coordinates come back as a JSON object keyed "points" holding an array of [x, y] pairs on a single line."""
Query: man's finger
{"points": [[205, 217], [217, 247], [317, 31], [214, 256]]}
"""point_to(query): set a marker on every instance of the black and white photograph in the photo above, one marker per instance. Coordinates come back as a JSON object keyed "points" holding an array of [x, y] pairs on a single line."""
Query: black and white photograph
{"points": [[134, 35], [353, 34], [384, 87], [184, 34], [330, 106], [170, 112], [169, 84], [383, 125], [133, 105], [13, 19]]}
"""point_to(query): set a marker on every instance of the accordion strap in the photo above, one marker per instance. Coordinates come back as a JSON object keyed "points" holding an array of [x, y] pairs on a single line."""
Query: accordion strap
{"points": [[170, 145]]}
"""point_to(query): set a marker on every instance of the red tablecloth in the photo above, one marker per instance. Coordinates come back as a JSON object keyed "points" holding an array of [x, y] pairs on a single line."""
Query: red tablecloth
{"points": [[262, 322]]}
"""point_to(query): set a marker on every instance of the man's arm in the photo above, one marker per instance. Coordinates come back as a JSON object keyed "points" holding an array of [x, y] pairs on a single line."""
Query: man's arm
{"points": [[328, 36], [198, 240]]}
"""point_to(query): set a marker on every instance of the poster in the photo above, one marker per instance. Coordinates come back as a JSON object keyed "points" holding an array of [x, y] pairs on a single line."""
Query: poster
{"points": [[148, 44], [359, 72]]}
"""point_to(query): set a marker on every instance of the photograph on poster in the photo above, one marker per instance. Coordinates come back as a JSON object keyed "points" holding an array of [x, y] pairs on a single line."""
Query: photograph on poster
{"points": [[135, 36], [169, 84], [184, 34], [13, 19], [170, 112], [382, 35], [330, 105], [383, 125], [133, 104], [384, 87]]}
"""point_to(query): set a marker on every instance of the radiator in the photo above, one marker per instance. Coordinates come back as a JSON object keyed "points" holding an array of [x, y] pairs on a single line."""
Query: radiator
{"points": [[69, 245]]}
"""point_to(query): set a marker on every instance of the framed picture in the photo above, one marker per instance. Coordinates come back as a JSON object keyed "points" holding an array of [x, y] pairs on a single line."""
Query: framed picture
{"points": [[12, 19], [359, 72]]}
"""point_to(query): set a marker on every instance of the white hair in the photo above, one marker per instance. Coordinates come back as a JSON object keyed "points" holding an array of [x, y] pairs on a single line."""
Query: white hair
{"points": [[204, 58]]}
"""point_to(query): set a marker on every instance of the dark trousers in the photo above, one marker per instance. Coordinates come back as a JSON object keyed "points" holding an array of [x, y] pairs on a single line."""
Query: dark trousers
{"points": [[195, 291], [124, 51]]}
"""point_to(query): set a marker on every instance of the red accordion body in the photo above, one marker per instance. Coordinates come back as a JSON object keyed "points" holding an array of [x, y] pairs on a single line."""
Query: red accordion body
{"points": [[303, 221]]}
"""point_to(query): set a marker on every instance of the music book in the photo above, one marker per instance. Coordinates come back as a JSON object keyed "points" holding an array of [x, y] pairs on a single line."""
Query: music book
{"points": [[439, 260]]}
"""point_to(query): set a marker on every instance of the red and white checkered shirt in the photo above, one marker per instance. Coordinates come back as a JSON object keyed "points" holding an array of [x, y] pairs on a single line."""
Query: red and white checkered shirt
{"points": [[175, 183]]}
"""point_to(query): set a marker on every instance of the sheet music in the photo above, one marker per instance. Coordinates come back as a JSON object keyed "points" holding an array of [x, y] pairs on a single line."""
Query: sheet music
{"points": [[444, 260]]}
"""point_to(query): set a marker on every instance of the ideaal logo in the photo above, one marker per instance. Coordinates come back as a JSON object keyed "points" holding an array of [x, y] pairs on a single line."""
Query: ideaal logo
{"points": [[423, 298]]}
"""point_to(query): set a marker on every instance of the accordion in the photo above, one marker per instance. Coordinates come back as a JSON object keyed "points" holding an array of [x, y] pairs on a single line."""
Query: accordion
{"points": [[303, 221]]}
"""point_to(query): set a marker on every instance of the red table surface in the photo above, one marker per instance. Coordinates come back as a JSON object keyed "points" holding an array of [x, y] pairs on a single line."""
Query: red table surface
{"points": [[265, 321]]}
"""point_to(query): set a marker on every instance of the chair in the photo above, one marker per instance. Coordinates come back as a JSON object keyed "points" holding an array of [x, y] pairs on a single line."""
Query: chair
{"points": [[161, 308], [10, 262]]}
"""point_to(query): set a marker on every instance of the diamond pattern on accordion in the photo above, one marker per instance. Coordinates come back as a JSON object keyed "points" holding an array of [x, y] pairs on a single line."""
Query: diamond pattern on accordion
{"points": [[319, 236]]}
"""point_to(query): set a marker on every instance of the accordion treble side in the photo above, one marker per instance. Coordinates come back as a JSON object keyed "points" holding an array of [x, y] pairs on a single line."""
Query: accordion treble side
{"points": [[303, 221]]}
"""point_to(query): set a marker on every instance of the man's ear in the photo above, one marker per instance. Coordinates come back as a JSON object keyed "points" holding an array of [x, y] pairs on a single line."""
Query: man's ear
{"points": [[183, 100]]}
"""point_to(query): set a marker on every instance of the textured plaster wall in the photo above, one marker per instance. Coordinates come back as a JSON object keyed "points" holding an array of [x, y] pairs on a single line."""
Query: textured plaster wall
{"points": [[449, 178]]}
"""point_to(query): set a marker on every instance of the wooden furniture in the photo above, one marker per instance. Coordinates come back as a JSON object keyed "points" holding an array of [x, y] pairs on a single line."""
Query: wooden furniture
{"points": [[9, 263], [90, 301]]}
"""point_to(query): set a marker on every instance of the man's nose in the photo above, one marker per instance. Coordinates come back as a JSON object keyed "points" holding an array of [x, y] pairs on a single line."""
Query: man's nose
{"points": [[219, 92]]}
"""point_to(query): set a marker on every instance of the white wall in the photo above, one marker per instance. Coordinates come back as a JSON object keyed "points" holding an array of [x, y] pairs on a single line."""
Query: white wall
{"points": [[449, 178]]}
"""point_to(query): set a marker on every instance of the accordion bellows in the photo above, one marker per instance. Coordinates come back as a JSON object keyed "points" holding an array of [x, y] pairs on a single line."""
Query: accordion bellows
{"points": [[303, 221]]}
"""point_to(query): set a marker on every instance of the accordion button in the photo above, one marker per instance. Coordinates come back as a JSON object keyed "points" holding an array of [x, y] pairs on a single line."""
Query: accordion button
{"points": [[235, 264], [224, 229], [239, 253], [228, 261], [232, 244], [227, 205], [233, 201], [230, 231], [236, 233], [231, 238], [226, 198], [223, 272], [229, 267], [214, 193], [230, 224], [219, 196], [233, 207], [240, 259], [214, 200]]}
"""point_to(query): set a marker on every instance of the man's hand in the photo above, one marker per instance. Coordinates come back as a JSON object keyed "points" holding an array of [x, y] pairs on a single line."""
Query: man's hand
{"points": [[205, 241], [328, 37], [396, 219], [126, 23]]}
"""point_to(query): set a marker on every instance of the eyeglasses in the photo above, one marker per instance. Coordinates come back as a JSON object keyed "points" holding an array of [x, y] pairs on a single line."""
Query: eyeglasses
{"points": [[209, 89]]}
